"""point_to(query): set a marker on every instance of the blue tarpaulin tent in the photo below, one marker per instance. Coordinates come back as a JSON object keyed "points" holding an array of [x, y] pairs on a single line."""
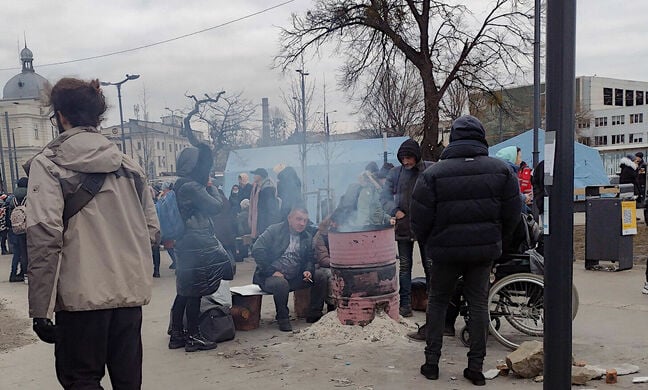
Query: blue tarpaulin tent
{"points": [[588, 166], [347, 160]]}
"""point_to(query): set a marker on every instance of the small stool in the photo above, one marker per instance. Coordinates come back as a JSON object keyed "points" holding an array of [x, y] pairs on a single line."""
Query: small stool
{"points": [[301, 302], [246, 306]]}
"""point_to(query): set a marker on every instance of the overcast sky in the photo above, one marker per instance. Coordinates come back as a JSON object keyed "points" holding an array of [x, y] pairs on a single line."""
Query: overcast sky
{"points": [[611, 39]]}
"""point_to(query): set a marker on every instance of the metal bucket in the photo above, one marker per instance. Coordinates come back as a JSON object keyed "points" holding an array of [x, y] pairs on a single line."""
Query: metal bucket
{"points": [[364, 274]]}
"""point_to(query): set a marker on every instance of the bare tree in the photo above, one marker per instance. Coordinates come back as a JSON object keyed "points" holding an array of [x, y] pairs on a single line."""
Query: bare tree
{"points": [[278, 126], [228, 121], [445, 42], [392, 101], [292, 100]]}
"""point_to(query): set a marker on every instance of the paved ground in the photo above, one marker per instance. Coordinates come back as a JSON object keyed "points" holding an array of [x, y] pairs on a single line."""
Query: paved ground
{"points": [[609, 329]]}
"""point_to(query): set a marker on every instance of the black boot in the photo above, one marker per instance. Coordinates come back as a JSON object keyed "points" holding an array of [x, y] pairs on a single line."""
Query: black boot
{"points": [[430, 371], [177, 339], [420, 334], [476, 377], [198, 342]]}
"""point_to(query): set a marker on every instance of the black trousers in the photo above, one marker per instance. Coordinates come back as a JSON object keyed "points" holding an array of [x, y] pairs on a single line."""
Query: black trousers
{"points": [[88, 341], [190, 305], [443, 279]]}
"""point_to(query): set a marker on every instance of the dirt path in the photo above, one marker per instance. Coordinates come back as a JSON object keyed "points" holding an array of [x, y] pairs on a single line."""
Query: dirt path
{"points": [[14, 329]]}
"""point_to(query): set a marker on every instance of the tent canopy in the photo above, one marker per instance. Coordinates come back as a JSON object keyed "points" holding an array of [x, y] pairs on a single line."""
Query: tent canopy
{"points": [[588, 166], [347, 159]]}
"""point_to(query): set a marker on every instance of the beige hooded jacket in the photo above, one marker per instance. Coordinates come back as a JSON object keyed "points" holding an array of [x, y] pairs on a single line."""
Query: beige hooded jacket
{"points": [[103, 259]]}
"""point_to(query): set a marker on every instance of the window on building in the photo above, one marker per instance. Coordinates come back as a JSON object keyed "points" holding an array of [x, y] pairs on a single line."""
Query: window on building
{"points": [[35, 133], [639, 98], [629, 97], [172, 168], [635, 138], [600, 122], [141, 163], [607, 96], [584, 124], [600, 140], [170, 148], [636, 118], [618, 97], [159, 161], [158, 145], [618, 120], [618, 139], [139, 145]]}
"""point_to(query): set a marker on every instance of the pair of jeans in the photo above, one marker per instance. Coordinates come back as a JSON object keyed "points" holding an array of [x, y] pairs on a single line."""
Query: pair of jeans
{"points": [[280, 287], [405, 256], [19, 245], [156, 258], [88, 341], [190, 305], [3, 241], [443, 279]]}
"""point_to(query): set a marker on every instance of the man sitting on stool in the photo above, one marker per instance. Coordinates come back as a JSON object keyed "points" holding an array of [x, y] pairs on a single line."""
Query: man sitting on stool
{"points": [[285, 262]]}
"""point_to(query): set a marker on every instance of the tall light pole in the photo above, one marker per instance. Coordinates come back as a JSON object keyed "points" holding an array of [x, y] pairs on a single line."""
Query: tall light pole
{"points": [[121, 112], [11, 171], [175, 149], [3, 179], [303, 139], [13, 139], [536, 81]]}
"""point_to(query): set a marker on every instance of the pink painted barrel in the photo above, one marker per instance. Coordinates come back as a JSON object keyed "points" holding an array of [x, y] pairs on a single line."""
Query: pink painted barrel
{"points": [[364, 274]]}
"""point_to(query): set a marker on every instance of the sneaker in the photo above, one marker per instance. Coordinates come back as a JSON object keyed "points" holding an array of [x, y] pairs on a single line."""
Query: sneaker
{"points": [[405, 311], [156, 274], [15, 278], [172, 266], [177, 339], [284, 325], [430, 371], [25, 279], [197, 342], [644, 290], [476, 377]]}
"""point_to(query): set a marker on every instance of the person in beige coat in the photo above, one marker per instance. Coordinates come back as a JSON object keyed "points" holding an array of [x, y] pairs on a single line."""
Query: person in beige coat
{"points": [[91, 271]]}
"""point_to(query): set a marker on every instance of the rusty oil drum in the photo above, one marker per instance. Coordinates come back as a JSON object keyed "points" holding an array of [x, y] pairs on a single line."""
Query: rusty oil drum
{"points": [[364, 274]]}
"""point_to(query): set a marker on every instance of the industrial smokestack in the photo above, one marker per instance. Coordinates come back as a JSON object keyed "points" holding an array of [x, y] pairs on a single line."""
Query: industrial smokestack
{"points": [[265, 109]]}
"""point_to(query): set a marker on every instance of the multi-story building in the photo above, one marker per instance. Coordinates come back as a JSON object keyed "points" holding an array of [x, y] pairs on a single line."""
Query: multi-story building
{"points": [[154, 145], [25, 127]]}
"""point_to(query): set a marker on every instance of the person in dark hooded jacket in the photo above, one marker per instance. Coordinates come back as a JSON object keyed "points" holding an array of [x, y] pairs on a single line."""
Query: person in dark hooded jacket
{"points": [[395, 198], [18, 241], [289, 190], [201, 257], [628, 173], [463, 208]]}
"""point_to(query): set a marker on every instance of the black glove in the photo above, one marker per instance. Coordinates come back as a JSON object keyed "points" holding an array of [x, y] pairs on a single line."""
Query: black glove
{"points": [[45, 330]]}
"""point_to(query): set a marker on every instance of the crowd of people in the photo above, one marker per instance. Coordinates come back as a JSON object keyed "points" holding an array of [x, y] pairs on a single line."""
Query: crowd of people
{"points": [[86, 293]]}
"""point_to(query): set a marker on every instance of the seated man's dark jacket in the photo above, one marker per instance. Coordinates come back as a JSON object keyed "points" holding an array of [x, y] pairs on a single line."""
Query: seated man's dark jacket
{"points": [[272, 244], [465, 205]]}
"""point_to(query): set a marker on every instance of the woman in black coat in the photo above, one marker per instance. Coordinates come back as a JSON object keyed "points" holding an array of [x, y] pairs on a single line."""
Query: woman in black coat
{"points": [[201, 257], [289, 190]]}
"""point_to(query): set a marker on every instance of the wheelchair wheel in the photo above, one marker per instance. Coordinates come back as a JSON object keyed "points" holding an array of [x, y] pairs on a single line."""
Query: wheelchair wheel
{"points": [[464, 336], [516, 303]]}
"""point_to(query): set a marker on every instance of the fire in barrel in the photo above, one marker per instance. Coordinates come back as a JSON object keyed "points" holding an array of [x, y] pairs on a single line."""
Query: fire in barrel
{"points": [[364, 274]]}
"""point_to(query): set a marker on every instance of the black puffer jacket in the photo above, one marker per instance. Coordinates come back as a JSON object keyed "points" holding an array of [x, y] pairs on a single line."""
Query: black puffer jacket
{"points": [[272, 244], [200, 255], [465, 204], [289, 189], [397, 191]]}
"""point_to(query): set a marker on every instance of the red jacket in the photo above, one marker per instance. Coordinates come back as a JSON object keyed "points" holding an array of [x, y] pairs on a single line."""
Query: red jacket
{"points": [[524, 177]]}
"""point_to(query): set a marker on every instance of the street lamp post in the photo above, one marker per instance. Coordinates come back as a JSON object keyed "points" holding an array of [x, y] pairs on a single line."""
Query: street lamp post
{"points": [[175, 148], [11, 171], [536, 82], [121, 112], [303, 138], [13, 139]]}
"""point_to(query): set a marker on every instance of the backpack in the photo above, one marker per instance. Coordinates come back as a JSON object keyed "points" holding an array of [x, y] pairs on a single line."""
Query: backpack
{"points": [[171, 224], [18, 217]]}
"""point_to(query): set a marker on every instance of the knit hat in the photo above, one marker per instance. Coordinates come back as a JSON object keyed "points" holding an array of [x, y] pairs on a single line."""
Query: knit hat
{"points": [[467, 127], [409, 148], [508, 153], [245, 203]]}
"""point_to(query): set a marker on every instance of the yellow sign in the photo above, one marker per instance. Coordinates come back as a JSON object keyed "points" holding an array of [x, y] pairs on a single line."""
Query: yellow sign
{"points": [[628, 218]]}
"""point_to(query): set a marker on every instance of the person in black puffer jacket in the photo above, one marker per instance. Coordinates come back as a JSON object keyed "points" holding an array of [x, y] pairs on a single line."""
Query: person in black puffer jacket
{"points": [[462, 209], [201, 257], [289, 190], [395, 197]]}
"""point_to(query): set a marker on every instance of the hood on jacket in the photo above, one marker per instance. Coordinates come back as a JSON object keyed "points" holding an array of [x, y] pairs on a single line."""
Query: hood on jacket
{"points": [[627, 162], [289, 175], [196, 163], [409, 148], [508, 154], [83, 149], [467, 127]]}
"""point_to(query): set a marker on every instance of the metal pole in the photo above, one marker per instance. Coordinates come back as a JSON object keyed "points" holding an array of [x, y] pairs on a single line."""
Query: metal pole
{"points": [[13, 138], [536, 82], [3, 179], [121, 118], [328, 166], [560, 87], [501, 102], [13, 179], [303, 143]]}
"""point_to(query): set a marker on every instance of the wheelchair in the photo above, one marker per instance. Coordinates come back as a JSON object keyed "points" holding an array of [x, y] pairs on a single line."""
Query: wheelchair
{"points": [[515, 298]]}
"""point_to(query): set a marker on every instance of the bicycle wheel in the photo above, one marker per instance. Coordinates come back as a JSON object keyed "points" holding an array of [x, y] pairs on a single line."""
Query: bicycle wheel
{"points": [[517, 301]]}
